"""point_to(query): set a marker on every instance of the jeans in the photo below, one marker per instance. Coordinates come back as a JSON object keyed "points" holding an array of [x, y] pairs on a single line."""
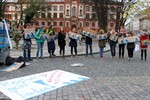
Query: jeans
{"points": [[130, 52], [145, 53], [101, 51], [27, 50], [90, 45], [75, 50], [121, 50], [40, 46], [113, 50]]}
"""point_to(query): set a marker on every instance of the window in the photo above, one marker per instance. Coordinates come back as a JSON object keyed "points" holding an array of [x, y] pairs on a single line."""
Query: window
{"points": [[61, 8], [80, 12], [67, 0], [43, 23], [87, 8], [80, 24], [16, 16], [55, 15], [61, 24], [111, 24], [55, 23], [43, 15], [67, 12], [67, 24], [54, 8], [61, 15], [74, 11], [37, 23], [49, 15], [87, 15], [49, 23], [93, 16], [87, 24], [93, 24]]}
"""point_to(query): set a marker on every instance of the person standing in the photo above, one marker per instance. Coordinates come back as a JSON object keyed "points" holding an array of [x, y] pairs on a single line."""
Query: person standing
{"points": [[40, 42], [130, 47], [62, 42], [112, 43], [88, 42], [73, 43], [51, 42], [102, 44], [122, 46], [144, 44], [27, 45]]}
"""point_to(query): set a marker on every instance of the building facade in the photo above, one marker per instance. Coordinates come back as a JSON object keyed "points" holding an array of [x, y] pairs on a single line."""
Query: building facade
{"points": [[63, 13]]}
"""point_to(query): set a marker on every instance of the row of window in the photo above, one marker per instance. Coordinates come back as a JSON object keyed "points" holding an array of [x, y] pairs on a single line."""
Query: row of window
{"points": [[87, 24]]}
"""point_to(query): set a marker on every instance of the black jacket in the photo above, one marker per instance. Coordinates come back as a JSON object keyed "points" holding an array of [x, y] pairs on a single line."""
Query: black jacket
{"points": [[88, 40], [61, 39]]}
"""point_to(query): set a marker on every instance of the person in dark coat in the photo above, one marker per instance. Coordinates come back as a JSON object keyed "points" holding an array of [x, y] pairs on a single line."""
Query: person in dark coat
{"points": [[88, 42], [62, 42], [73, 44], [130, 47], [122, 33]]}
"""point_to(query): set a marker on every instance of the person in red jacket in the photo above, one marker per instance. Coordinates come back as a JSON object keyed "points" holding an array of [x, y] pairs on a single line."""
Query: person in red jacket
{"points": [[144, 44]]}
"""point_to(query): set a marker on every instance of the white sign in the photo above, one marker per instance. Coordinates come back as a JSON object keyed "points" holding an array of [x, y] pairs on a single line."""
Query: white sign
{"points": [[29, 86]]}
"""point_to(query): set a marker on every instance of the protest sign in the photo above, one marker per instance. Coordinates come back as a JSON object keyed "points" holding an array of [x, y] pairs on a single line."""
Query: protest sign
{"points": [[131, 39], [113, 37], [29, 33]]}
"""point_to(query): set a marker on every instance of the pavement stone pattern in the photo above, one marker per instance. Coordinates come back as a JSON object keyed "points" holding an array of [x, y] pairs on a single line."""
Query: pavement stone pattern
{"points": [[110, 78]]}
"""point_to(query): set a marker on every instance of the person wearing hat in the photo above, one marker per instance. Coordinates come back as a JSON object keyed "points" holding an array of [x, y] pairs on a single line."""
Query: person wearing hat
{"points": [[40, 41], [144, 44], [130, 46], [51, 43]]}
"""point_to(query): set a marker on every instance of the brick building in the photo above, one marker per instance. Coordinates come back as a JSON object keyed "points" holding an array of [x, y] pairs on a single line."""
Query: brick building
{"points": [[64, 13]]}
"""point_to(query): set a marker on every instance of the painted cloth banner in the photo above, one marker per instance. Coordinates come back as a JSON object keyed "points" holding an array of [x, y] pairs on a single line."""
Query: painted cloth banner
{"points": [[90, 33], [124, 40], [74, 36], [113, 37], [101, 36], [33, 85], [50, 38], [29, 33]]}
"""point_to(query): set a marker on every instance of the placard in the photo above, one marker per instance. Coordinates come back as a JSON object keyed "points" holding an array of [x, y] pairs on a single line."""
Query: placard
{"points": [[101, 36], [132, 39], [74, 36], [90, 33], [33, 85], [121, 40], [113, 37], [29, 33]]}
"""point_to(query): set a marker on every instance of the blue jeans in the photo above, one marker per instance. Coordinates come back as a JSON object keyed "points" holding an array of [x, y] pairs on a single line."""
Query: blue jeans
{"points": [[101, 51], [113, 50], [40, 46], [87, 49]]}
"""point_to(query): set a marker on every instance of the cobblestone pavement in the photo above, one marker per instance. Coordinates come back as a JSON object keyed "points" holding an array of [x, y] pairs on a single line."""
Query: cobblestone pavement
{"points": [[110, 78]]}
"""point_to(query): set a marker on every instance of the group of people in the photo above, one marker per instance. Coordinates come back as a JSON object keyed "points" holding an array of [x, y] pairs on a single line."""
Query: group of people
{"points": [[143, 44], [61, 36]]}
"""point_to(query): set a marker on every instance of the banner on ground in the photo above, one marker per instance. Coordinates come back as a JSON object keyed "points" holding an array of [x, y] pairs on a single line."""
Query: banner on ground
{"points": [[29, 33], [33, 85]]}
